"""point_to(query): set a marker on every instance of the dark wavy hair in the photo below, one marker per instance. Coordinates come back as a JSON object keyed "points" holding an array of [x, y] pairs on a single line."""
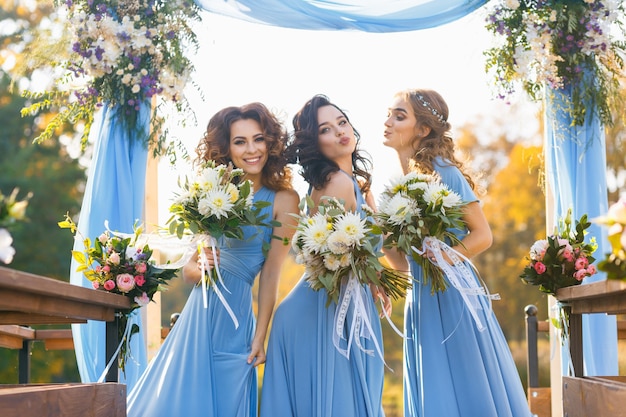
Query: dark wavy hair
{"points": [[431, 110], [215, 144], [304, 148]]}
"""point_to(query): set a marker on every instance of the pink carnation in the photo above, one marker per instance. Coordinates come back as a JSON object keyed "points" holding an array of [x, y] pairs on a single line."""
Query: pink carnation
{"points": [[142, 300], [540, 268], [106, 269], [567, 255], [140, 280], [114, 258], [95, 284], [580, 274], [141, 268], [581, 263], [125, 282], [109, 284], [103, 238], [591, 269]]}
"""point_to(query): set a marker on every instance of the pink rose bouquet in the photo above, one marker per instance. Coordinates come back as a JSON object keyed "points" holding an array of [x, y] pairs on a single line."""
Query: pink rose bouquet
{"points": [[119, 264], [562, 259]]}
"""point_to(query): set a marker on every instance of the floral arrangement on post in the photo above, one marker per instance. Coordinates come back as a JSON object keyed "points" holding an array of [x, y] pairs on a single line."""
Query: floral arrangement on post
{"points": [[415, 208], [11, 210], [614, 263], [120, 264], [559, 43], [562, 259], [334, 242], [121, 53]]}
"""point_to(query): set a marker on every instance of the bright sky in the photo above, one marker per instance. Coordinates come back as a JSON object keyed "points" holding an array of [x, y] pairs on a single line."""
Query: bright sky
{"points": [[241, 62]]}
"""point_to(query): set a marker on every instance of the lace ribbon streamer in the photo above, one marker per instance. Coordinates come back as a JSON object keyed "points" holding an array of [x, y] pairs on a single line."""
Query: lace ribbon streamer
{"points": [[206, 276], [459, 276], [352, 292]]}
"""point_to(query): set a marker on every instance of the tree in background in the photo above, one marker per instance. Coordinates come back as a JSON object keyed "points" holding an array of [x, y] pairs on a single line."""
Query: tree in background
{"points": [[616, 149], [55, 179]]}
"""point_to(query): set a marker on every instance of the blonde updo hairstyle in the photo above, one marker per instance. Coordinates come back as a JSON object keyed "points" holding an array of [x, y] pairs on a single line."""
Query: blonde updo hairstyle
{"points": [[431, 110]]}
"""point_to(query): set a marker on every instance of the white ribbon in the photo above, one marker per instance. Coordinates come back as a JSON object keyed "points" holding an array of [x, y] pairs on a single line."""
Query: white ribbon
{"points": [[206, 277], [562, 334], [459, 275], [125, 339], [354, 293], [393, 326]]}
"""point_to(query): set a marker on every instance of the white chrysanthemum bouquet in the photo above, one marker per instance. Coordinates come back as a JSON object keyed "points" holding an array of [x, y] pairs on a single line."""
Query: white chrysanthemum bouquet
{"points": [[215, 202], [334, 243], [416, 207]]}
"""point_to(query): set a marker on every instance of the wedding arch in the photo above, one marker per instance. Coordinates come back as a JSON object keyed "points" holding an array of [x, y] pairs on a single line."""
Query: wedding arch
{"points": [[574, 150]]}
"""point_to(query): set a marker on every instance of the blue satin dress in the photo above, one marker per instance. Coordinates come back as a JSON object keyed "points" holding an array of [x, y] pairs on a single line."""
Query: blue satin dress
{"points": [[305, 375], [201, 369], [451, 368]]}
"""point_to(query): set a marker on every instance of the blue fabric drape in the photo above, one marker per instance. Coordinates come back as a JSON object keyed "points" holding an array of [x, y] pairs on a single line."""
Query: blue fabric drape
{"points": [[367, 16], [575, 166], [115, 192]]}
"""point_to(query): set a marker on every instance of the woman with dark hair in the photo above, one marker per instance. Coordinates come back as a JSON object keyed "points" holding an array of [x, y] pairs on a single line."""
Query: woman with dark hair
{"points": [[207, 365], [452, 367], [305, 374]]}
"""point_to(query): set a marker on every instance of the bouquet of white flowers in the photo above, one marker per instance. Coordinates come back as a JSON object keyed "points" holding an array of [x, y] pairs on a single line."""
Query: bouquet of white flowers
{"points": [[339, 251], [414, 209], [215, 203], [334, 243]]}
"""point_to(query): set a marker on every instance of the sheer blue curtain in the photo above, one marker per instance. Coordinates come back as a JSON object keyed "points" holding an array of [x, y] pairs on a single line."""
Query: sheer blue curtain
{"points": [[576, 170], [115, 192], [367, 16]]}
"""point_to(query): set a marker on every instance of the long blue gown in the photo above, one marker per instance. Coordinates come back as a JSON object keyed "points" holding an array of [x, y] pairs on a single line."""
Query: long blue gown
{"points": [[451, 368], [305, 375], [201, 369]]}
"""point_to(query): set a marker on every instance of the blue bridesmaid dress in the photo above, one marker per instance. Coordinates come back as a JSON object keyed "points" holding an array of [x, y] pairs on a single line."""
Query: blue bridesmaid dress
{"points": [[201, 369], [451, 368], [305, 375]]}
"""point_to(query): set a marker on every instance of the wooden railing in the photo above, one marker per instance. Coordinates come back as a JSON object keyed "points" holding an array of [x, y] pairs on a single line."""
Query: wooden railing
{"points": [[28, 299], [608, 297]]}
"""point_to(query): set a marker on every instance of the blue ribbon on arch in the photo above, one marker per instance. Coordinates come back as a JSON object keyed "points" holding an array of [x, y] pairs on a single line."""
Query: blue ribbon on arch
{"points": [[576, 171], [115, 193], [378, 16]]}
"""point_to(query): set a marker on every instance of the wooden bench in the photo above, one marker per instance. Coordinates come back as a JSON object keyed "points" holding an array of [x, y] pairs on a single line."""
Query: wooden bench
{"points": [[27, 300], [54, 400], [13, 336], [539, 398]]}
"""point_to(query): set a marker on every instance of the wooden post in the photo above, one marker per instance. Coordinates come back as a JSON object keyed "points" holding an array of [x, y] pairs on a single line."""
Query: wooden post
{"points": [[531, 351], [112, 342], [556, 371], [24, 362], [151, 317]]}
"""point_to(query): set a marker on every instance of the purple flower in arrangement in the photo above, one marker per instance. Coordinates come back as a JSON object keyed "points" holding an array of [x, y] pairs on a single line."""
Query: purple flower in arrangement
{"points": [[117, 51], [123, 36], [99, 51]]}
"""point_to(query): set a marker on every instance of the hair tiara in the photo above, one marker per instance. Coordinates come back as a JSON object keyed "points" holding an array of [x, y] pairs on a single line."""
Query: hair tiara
{"points": [[429, 107]]}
